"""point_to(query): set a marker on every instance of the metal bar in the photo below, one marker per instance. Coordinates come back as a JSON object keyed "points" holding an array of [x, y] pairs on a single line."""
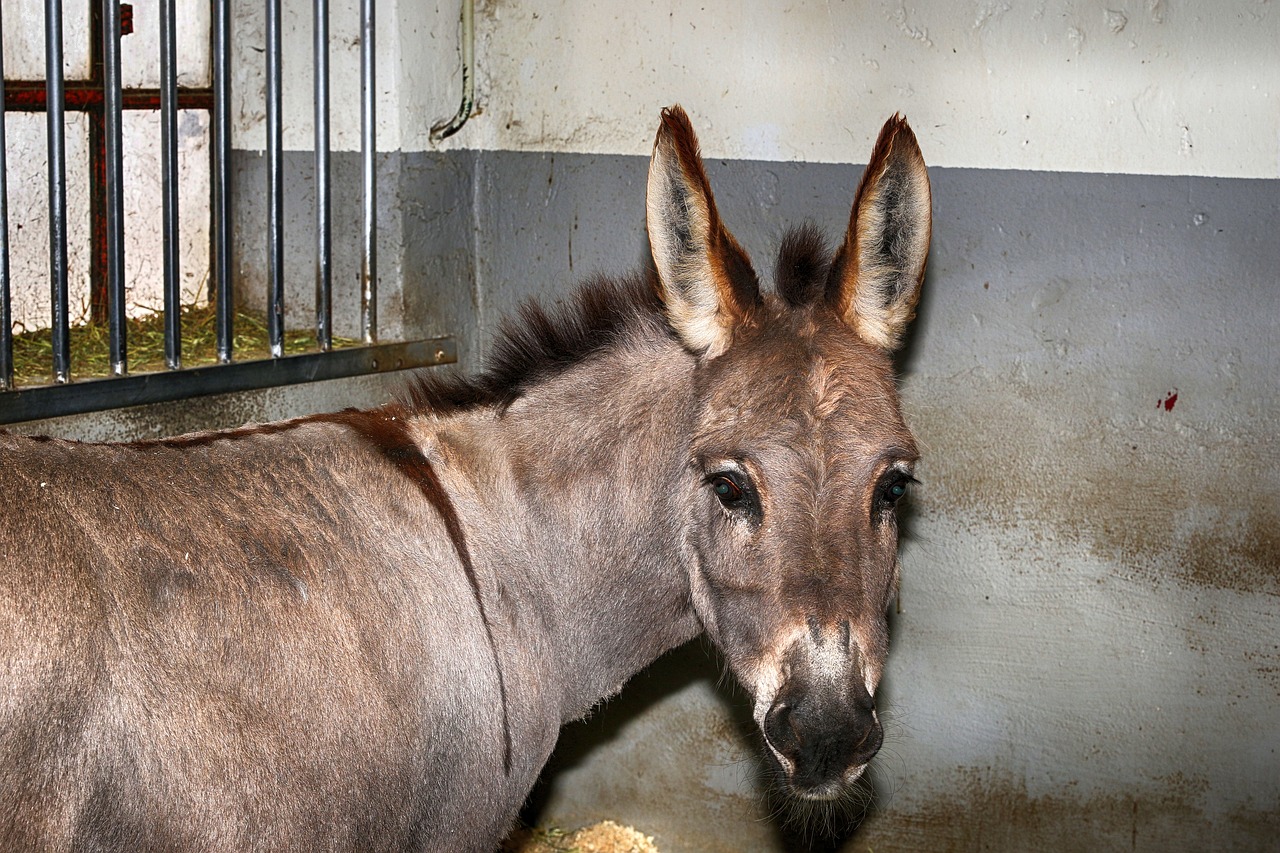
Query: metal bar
{"points": [[98, 297], [275, 189], [97, 190], [6, 311], [368, 150], [222, 295], [169, 261], [60, 318], [116, 336], [25, 96], [324, 203], [52, 401], [445, 130]]}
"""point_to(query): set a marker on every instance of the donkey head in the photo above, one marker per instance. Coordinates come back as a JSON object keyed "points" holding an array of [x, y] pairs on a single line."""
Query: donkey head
{"points": [[800, 452]]}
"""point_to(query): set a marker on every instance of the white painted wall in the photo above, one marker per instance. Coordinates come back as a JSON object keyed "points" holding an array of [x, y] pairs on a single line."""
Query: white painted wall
{"points": [[24, 38], [417, 73], [26, 145], [1138, 86], [1131, 86], [28, 197]]}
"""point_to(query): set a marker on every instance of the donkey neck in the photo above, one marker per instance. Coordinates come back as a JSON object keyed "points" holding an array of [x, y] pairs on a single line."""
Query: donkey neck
{"points": [[579, 490]]}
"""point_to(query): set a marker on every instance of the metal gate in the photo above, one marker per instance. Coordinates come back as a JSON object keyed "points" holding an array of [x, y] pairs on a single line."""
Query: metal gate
{"points": [[103, 97]]}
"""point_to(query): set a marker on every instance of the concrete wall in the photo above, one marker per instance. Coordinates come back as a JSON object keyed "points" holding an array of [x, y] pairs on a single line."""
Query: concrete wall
{"points": [[1088, 653], [1143, 86]]}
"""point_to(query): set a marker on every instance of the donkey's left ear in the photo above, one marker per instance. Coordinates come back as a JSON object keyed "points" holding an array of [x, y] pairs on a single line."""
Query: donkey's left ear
{"points": [[707, 282], [875, 278]]}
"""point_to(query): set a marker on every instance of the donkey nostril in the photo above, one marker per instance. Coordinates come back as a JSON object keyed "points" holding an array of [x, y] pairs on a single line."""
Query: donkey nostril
{"points": [[865, 738], [780, 729]]}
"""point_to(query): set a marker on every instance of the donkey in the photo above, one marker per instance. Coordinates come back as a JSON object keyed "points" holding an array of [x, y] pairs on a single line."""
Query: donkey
{"points": [[364, 630]]}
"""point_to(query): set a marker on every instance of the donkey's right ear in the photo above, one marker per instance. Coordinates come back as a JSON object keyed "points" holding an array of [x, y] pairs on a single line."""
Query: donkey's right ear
{"points": [[707, 282]]}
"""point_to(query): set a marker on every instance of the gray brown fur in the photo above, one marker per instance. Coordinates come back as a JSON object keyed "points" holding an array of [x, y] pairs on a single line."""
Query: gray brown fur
{"points": [[363, 631]]}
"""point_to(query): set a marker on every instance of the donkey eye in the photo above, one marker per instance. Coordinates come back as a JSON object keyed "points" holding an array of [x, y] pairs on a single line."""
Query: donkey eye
{"points": [[736, 493], [729, 492], [894, 490]]}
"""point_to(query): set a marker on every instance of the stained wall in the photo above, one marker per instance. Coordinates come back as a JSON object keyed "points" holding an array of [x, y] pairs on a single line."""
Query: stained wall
{"points": [[1088, 649]]}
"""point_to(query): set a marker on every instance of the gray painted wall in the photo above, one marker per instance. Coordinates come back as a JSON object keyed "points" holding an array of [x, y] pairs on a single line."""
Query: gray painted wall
{"points": [[1088, 653], [425, 240]]}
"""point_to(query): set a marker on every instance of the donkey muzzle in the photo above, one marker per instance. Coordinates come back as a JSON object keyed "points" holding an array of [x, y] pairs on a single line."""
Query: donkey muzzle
{"points": [[822, 726], [823, 743]]}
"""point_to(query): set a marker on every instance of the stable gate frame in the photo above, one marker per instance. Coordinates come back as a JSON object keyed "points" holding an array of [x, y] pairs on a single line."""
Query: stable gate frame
{"points": [[65, 397]]}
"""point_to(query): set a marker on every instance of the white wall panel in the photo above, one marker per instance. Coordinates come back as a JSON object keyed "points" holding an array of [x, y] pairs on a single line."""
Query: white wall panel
{"points": [[1139, 86], [24, 36]]}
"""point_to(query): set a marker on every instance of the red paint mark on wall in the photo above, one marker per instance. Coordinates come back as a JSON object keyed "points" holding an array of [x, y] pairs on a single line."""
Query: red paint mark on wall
{"points": [[1168, 401]]}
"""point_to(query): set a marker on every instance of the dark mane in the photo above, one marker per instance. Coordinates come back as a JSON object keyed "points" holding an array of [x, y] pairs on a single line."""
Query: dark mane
{"points": [[538, 343], [541, 343]]}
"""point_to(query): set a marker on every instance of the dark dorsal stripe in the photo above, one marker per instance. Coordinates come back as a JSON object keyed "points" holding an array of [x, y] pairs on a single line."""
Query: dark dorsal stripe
{"points": [[386, 429]]}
